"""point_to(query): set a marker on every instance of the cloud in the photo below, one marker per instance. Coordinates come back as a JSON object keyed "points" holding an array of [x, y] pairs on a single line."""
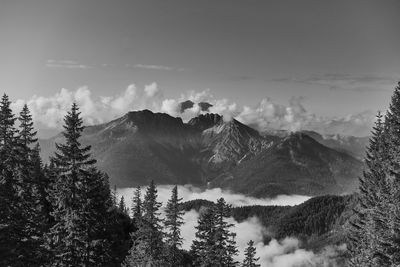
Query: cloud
{"points": [[343, 81], [277, 253], [152, 89], [155, 67], [269, 115], [48, 112], [66, 64], [189, 192]]}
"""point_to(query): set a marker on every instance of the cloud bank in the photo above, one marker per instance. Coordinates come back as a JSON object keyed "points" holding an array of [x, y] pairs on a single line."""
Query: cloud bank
{"points": [[277, 253], [48, 111], [189, 192]]}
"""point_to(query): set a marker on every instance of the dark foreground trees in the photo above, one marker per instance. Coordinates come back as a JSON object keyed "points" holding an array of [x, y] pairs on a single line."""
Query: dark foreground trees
{"points": [[59, 214], [374, 236]]}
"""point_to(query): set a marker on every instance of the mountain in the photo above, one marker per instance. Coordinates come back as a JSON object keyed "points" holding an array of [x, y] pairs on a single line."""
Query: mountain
{"points": [[142, 146], [209, 151], [295, 165], [352, 145]]}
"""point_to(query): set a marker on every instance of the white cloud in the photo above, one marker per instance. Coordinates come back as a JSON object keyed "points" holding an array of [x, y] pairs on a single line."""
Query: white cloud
{"points": [[156, 67], [152, 89], [189, 192], [66, 64], [170, 106], [266, 115], [48, 112]]}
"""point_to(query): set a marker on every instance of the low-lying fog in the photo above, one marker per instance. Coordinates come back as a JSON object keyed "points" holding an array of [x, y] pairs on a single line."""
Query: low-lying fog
{"points": [[277, 253]]}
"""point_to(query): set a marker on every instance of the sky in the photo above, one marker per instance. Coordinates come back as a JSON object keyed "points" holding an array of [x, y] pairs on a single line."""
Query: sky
{"points": [[338, 58]]}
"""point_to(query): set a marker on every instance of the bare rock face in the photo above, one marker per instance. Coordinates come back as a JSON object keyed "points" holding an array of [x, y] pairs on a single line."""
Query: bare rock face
{"points": [[143, 146]]}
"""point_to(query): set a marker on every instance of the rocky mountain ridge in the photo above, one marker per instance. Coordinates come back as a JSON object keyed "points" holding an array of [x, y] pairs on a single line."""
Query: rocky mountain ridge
{"points": [[209, 151]]}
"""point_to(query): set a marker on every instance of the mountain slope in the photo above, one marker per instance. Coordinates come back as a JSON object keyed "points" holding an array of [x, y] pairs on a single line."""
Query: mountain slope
{"points": [[296, 165], [207, 150]]}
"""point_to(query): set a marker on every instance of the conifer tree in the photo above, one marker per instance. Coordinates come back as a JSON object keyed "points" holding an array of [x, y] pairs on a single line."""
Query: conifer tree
{"points": [[225, 246], [203, 246], [392, 127], [12, 220], [114, 196], [215, 244], [31, 178], [122, 206], [27, 133], [76, 238], [42, 187], [374, 237], [367, 239], [173, 222], [137, 205], [147, 249], [250, 256]]}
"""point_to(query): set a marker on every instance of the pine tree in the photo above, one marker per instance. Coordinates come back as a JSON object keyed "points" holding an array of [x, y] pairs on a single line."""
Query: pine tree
{"points": [[27, 134], [122, 206], [76, 238], [173, 222], [97, 217], [225, 239], [392, 127], [250, 256], [203, 246], [114, 196], [374, 237], [29, 174], [147, 249], [42, 187], [12, 219], [215, 244], [137, 205], [367, 240]]}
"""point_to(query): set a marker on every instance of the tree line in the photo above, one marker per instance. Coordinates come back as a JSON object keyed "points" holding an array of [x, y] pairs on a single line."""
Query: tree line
{"points": [[374, 232], [63, 213]]}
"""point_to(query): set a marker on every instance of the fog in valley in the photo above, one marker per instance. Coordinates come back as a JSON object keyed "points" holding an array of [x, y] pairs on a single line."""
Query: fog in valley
{"points": [[276, 253]]}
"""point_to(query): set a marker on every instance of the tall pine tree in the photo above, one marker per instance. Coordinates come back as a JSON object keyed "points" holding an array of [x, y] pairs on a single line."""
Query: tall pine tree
{"points": [[374, 237], [30, 174], [203, 245], [76, 238], [12, 219], [225, 246], [173, 222]]}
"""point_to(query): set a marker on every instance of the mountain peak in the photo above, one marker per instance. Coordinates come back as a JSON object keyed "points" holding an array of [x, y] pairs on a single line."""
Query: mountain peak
{"points": [[205, 121]]}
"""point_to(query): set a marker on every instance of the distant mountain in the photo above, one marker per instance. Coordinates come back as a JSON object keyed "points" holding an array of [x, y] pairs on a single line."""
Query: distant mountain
{"points": [[295, 165], [352, 145], [209, 151]]}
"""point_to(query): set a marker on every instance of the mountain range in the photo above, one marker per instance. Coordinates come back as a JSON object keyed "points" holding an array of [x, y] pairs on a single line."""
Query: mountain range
{"points": [[209, 151]]}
